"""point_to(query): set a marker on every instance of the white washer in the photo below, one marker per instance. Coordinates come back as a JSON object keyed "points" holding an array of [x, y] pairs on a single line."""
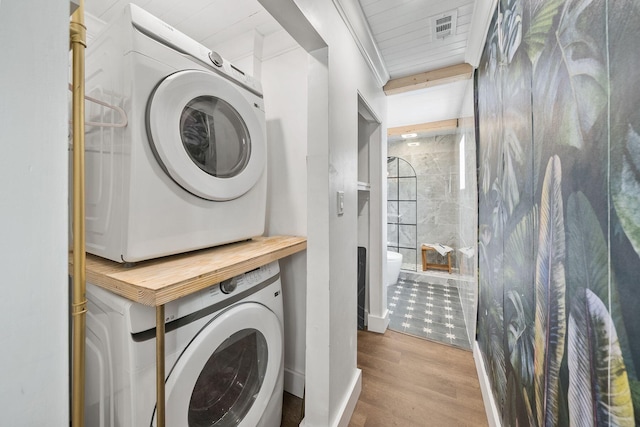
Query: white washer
{"points": [[224, 356], [189, 169]]}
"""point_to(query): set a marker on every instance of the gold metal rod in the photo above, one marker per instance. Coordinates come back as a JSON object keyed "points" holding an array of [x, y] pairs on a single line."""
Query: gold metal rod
{"points": [[79, 303], [160, 365]]}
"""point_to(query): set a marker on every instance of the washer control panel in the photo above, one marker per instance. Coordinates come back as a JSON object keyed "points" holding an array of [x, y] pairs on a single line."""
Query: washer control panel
{"points": [[229, 285], [143, 317]]}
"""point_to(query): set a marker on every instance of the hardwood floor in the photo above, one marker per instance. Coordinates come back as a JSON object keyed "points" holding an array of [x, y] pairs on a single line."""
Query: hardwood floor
{"points": [[407, 381], [410, 382], [291, 410]]}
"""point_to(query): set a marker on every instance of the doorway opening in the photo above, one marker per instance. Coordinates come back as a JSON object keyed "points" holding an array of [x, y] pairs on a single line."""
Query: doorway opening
{"points": [[370, 303], [434, 227]]}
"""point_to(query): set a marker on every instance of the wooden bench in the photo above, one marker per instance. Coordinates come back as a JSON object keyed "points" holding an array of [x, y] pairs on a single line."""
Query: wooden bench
{"points": [[435, 266]]}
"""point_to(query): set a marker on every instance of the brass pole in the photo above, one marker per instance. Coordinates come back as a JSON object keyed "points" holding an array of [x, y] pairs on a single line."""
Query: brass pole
{"points": [[78, 43], [160, 365]]}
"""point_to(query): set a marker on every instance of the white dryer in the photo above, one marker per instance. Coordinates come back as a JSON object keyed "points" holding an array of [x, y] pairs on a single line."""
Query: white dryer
{"points": [[189, 169], [224, 356]]}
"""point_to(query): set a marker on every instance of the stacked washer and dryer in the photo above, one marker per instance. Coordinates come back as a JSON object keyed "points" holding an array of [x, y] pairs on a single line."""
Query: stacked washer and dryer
{"points": [[187, 172]]}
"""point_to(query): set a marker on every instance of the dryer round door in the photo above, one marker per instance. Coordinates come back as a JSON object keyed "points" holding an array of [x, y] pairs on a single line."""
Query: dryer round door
{"points": [[207, 136], [228, 372]]}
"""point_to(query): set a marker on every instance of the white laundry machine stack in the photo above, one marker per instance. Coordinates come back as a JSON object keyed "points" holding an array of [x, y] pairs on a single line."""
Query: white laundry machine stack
{"points": [[224, 356], [188, 171]]}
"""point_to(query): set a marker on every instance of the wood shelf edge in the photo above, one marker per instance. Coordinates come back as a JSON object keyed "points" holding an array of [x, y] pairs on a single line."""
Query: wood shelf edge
{"points": [[178, 290], [117, 278]]}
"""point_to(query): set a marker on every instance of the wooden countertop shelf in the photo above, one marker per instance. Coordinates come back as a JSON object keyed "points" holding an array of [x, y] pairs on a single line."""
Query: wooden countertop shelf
{"points": [[159, 281]]}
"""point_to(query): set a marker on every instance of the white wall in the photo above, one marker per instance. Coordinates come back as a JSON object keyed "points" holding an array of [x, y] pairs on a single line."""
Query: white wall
{"points": [[284, 80], [348, 74], [336, 75], [34, 387], [432, 104]]}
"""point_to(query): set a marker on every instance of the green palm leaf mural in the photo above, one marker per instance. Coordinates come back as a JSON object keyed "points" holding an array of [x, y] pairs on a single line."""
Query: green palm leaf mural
{"points": [[510, 34], [490, 326], [626, 189], [587, 264], [570, 79], [541, 22], [559, 278], [599, 393], [520, 340], [519, 273], [550, 320], [513, 157], [582, 57]]}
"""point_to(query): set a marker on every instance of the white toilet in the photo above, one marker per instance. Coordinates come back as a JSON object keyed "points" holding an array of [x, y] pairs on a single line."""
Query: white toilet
{"points": [[394, 262]]}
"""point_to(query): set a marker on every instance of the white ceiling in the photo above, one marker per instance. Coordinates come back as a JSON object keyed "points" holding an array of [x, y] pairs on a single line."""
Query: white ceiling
{"points": [[401, 30], [207, 21], [226, 26]]}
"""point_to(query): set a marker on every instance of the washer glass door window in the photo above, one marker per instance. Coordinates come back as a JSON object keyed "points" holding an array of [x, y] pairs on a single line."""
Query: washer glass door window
{"points": [[230, 381], [227, 374]]}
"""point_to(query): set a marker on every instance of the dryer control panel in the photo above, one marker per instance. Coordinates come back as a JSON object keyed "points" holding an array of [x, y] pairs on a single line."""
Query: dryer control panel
{"points": [[164, 33]]}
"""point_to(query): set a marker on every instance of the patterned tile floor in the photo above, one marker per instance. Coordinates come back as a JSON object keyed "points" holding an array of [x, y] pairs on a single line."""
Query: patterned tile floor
{"points": [[427, 310]]}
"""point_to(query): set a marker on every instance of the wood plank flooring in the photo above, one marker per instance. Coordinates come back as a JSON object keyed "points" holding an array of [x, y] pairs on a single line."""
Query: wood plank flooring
{"points": [[410, 382], [407, 382]]}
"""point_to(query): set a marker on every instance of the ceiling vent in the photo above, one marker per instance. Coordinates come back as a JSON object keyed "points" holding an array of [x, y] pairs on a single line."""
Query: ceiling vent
{"points": [[444, 25]]}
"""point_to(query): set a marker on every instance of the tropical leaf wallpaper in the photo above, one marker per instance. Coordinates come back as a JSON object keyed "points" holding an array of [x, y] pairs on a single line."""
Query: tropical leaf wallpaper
{"points": [[558, 101]]}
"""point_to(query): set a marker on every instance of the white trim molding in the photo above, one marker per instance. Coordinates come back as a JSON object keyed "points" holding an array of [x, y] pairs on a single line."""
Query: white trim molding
{"points": [[493, 416], [378, 324], [354, 19], [349, 404], [482, 14], [294, 382]]}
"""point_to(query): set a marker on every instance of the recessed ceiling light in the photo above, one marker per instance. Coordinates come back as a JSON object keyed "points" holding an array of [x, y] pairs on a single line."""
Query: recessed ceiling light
{"points": [[409, 135], [413, 144]]}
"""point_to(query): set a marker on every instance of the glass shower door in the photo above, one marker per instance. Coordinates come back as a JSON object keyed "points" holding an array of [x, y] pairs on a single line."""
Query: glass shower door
{"points": [[402, 211]]}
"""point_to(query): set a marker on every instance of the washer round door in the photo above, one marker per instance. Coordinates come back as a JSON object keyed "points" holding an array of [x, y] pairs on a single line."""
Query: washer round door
{"points": [[228, 372], [207, 136]]}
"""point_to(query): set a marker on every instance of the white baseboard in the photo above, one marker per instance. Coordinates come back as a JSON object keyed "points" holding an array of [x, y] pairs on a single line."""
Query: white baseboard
{"points": [[493, 416], [349, 404], [347, 407], [378, 324], [293, 382]]}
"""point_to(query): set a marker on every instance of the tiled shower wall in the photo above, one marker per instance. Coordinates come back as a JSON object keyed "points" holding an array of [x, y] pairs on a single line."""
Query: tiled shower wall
{"points": [[440, 205]]}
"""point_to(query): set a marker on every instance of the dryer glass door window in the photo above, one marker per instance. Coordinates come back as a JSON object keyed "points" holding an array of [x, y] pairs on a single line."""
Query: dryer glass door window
{"points": [[207, 134], [215, 136], [230, 381]]}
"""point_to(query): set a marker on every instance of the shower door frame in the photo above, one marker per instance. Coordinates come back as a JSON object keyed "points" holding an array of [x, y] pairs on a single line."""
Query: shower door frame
{"points": [[397, 247]]}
